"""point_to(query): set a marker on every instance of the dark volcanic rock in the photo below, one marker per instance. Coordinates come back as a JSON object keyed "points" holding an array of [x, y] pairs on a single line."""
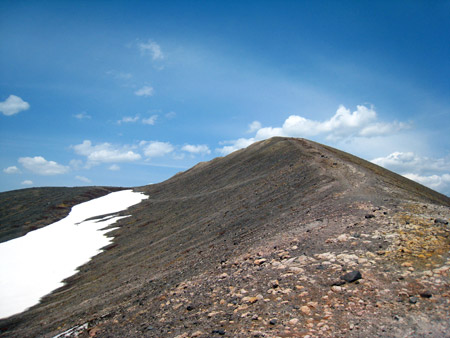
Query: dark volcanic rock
{"points": [[352, 276]]}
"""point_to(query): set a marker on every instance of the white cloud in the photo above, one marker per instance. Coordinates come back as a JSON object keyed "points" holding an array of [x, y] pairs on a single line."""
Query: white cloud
{"points": [[151, 120], [114, 167], [235, 145], [13, 105], [431, 172], [196, 149], [409, 162], [254, 126], [83, 179], [105, 153], [156, 148], [144, 91], [27, 182], [41, 166], [128, 119], [343, 125], [11, 170], [151, 48], [437, 182], [82, 116]]}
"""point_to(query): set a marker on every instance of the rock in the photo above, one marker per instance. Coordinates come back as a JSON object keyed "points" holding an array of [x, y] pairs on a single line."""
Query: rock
{"points": [[293, 321], [369, 216], [196, 334], [338, 283], [220, 331], [413, 300], [440, 221], [342, 238], [260, 261], [250, 300], [425, 294], [306, 310], [273, 321], [351, 277], [189, 308], [336, 288]]}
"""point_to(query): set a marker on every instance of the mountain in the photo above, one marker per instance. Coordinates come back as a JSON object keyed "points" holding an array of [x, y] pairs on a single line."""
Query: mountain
{"points": [[286, 238]]}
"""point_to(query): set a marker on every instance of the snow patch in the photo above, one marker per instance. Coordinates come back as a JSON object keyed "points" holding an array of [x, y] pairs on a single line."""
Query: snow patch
{"points": [[34, 265]]}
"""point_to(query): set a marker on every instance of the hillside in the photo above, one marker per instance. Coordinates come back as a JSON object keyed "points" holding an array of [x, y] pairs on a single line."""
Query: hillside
{"points": [[255, 244]]}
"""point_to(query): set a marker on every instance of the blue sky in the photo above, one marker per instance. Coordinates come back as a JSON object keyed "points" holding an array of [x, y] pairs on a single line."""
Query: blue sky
{"points": [[130, 92]]}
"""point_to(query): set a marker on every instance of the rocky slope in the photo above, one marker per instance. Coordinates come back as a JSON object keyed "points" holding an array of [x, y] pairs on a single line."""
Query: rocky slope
{"points": [[287, 238]]}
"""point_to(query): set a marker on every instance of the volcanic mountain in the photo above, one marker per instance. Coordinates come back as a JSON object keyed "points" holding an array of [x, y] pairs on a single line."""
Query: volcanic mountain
{"points": [[286, 238]]}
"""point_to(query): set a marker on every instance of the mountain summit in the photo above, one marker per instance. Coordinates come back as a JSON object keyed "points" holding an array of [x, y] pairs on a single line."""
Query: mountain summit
{"points": [[286, 238]]}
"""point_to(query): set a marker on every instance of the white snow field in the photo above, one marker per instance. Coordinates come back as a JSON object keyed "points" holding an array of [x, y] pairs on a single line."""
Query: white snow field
{"points": [[34, 265]]}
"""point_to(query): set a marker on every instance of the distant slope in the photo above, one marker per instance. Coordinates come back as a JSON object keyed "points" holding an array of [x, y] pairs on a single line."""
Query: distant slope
{"points": [[25, 210], [245, 244]]}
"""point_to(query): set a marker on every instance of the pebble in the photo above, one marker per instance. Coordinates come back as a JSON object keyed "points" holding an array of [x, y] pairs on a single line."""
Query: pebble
{"points": [[306, 310], [273, 321]]}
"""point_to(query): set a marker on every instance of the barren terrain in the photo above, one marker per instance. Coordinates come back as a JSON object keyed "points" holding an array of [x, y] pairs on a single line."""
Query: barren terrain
{"points": [[287, 238]]}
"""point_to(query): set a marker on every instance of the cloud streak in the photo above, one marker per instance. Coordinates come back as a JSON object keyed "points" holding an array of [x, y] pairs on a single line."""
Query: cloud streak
{"points": [[144, 91]]}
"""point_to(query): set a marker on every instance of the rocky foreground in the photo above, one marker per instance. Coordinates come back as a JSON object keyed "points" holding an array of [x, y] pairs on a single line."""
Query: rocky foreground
{"points": [[287, 238]]}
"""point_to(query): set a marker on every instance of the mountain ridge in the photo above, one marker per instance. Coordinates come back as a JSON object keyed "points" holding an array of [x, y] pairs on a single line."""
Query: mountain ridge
{"points": [[244, 221]]}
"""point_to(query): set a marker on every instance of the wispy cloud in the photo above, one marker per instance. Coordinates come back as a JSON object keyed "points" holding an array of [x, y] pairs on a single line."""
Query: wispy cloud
{"points": [[114, 167], [150, 120], [128, 119], [105, 153], [197, 149], [39, 165], [254, 126], [11, 170], [82, 116], [83, 179], [13, 105], [27, 182], [156, 148], [152, 49], [145, 91]]}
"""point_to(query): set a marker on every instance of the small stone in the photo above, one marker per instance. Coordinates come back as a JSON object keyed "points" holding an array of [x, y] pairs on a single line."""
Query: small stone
{"points": [[425, 294], [336, 288], [369, 216], [351, 277], [306, 310], [221, 332], [440, 221], [338, 283], [260, 261], [189, 308], [293, 321], [197, 334], [273, 321], [413, 300]]}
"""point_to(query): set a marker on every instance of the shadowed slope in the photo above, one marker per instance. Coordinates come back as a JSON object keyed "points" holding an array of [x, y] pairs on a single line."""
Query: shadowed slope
{"points": [[26, 210], [209, 223]]}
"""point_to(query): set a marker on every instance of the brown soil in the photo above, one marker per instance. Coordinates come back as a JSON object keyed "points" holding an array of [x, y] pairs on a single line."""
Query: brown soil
{"points": [[254, 245]]}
